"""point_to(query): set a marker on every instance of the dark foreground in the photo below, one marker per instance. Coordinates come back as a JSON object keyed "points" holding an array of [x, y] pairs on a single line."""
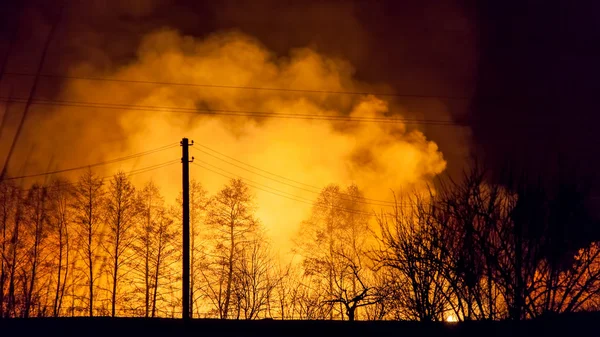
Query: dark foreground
{"points": [[574, 325]]}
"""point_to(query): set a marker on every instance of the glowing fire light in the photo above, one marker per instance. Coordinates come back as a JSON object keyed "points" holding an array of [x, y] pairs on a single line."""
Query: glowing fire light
{"points": [[451, 318]]}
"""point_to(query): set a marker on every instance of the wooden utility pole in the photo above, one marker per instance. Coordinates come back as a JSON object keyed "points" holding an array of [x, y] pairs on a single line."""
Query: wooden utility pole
{"points": [[185, 161]]}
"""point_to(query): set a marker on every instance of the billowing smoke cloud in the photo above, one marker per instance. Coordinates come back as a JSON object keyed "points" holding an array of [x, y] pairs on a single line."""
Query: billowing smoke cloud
{"points": [[120, 40], [376, 156]]}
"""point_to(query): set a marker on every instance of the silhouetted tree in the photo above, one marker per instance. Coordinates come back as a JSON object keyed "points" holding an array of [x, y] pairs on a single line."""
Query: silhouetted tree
{"points": [[310, 298], [553, 221], [121, 210], [35, 229], [356, 296], [8, 201], [59, 217], [87, 203], [150, 203], [199, 201], [471, 216], [409, 256], [331, 243], [283, 301], [253, 278], [470, 249], [232, 223], [14, 257], [156, 248], [164, 258], [510, 247]]}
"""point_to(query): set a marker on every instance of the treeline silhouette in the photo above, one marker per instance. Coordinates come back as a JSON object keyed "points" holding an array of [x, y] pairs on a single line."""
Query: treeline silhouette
{"points": [[470, 249]]}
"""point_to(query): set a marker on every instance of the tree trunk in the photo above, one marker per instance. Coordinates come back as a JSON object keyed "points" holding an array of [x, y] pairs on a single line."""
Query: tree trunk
{"points": [[230, 271], [2, 264], [156, 272], [519, 291], [147, 257], [64, 283], [58, 278], [90, 251], [114, 285], [147, 275], [91, 276], [116, 263], [11, 283], [351, 312], [29, 292]]}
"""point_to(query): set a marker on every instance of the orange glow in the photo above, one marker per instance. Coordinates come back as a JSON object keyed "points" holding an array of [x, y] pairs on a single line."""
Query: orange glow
{"points": [[377, 157], [286, 162], [451, 318]]}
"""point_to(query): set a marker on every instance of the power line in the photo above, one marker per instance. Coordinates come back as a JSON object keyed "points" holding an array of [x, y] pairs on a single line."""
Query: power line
{"points": [[376, 202], [390, 204], [136, 155], [254, 167], [131, 173], [298, 199], [265, 114], [238, 113], [148, 168], [241, 87], [254, 182], [246, 179]]}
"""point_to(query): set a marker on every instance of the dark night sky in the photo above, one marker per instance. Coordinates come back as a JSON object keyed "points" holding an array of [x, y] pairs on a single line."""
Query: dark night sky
{"points": [[537, 79], [529, 69]]}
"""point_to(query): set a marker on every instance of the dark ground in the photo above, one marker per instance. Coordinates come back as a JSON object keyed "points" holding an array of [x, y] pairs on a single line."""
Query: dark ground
{"points": [[573, 325]]}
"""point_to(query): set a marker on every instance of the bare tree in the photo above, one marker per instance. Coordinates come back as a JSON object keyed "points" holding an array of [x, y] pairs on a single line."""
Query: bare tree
{"points": [[473, 249], [59, 218], [310, 297], [198, 205], [7, 208], [283, 301], [150, 203], [557, 253], [35, 223], [156, 248], [509, 249], [121, 208], [253, 278], [573, 289], [14, 256], [408, 253], [332, 240], [356, 296], [471, 216], [231, 220], [164, 258], [88, 197]]}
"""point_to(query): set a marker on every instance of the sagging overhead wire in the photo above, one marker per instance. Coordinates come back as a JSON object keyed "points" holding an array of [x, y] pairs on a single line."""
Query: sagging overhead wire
{"points": [[129, 174], [116, 160], [313, 189], [240, 87], [234, 113], [278, 192], [356, 199]]}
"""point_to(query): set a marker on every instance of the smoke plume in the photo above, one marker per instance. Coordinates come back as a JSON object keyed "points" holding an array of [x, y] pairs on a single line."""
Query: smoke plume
{"points": [[298, 156], [375, 156]]}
